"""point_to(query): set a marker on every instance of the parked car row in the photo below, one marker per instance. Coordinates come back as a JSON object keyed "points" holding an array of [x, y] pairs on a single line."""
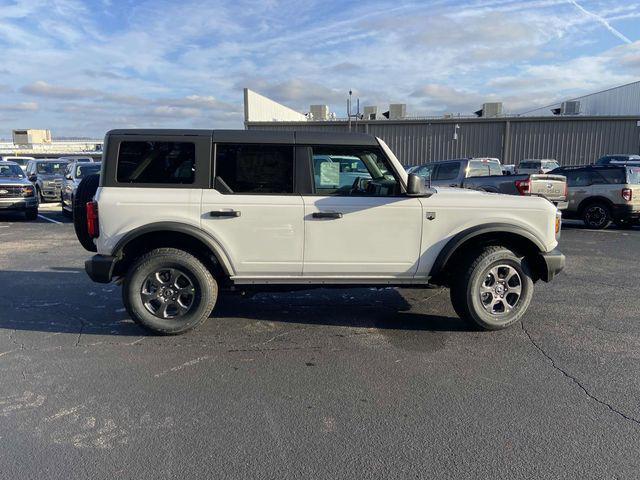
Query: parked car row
{"points": [[25, 185]]}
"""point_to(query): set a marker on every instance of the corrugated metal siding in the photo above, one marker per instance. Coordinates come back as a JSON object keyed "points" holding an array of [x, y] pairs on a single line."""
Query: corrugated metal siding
{"points": [[570, 141]]}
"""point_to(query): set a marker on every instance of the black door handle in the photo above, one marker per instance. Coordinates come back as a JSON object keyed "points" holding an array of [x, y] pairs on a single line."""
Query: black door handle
{"points": [[224, 213], [326, 215]]}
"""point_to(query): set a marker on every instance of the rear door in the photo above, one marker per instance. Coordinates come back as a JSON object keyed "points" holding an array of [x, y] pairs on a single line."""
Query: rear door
{"points": [[253, 211], [369, 228]]}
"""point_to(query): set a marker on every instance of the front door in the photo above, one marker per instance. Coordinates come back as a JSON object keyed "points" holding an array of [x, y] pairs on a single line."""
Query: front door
{"points": [[253, 211], [358, 222]]}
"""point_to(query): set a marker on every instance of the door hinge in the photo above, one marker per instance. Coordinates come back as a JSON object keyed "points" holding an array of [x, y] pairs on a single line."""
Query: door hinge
{"points": [[431, 215]]}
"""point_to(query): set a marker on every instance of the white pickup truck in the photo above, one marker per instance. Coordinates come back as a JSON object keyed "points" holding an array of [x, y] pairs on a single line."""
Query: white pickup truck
{"points": [[179, 215]]}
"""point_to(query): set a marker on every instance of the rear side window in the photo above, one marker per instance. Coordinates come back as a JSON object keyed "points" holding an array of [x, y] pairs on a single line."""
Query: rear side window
{"points": [[254, 169], [483, 168], [447, 171], [613, 175], [577, 178], [530, 165], [156, 162]]}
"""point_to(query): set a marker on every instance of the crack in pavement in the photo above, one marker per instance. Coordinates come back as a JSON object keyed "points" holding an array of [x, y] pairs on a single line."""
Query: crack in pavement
{"points": [[574, 379]]}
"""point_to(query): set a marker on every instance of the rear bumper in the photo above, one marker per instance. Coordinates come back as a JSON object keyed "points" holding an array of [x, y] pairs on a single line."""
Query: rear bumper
{"points": [[554, 262], [100, 268], [18, 203]]}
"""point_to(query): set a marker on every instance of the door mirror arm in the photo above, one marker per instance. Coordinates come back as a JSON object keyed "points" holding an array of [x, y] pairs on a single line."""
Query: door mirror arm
{"points": [[417, 188]]}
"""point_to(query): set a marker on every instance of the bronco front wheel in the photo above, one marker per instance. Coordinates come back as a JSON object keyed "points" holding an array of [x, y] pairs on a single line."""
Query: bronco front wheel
{"points": [[492, 288]]}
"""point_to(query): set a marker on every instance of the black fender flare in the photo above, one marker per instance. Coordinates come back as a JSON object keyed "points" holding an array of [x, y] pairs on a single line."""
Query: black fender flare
{"points": [[212, 243], [460, 238]]}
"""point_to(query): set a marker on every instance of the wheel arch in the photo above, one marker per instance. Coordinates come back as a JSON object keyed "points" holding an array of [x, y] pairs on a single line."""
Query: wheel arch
{"points": [[591, 200], [173, 234], [511, 236]]}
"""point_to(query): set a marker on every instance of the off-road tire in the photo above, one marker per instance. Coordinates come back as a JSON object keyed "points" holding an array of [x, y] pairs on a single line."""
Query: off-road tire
{"points": [[469, 275], [31, 213], [85, 193], [205, 286], [598, 210]]}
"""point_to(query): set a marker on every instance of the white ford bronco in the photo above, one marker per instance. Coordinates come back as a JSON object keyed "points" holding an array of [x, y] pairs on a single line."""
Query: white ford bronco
{"points": [[178, 216]]}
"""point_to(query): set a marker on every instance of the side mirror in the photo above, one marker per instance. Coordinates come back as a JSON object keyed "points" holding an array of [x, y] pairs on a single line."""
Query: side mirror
{"points": [[33, 177], [415, 185]]}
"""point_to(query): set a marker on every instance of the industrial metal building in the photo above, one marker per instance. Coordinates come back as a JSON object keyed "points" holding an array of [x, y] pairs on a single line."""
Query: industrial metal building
{"points": [[570, 139]]}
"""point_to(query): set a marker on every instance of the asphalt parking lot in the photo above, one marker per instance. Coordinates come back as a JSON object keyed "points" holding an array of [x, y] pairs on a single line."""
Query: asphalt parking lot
{"points": [[318, 384]]}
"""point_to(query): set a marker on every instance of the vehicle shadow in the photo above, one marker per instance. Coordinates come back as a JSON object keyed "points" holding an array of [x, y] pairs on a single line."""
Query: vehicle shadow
{"points": [[63, 300]]}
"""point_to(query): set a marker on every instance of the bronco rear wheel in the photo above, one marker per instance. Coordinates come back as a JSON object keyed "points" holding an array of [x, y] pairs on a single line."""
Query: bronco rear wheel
{"points": [[169, 291], [492, 288]]}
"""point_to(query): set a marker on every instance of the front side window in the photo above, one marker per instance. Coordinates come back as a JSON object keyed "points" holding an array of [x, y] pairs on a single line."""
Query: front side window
{"points": [[448, 171], [156, 162], [424, 171], [362, 171], [254, 169]]}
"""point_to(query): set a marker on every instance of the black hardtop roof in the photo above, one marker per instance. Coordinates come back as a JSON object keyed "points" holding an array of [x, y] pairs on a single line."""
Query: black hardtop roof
{"points": [[260, 136], [594, 167]]}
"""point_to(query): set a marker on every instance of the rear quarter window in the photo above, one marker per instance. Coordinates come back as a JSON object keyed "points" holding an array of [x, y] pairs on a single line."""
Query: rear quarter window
{"points": [[156, 162], [633, 175], [613, 176]]}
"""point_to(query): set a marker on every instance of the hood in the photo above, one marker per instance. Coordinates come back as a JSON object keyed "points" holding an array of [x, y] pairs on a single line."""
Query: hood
{"points": [[14, 181]]}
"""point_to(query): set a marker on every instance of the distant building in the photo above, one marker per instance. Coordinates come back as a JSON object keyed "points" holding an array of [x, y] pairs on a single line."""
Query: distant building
{"points": [[574, 132], [618, 101], [29, 137]]}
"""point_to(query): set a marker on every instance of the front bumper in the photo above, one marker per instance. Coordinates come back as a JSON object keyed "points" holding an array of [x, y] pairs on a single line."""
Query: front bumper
{"points": [[18, 203], [51, 193], [100, 268], [554, 262], [625, 212]]}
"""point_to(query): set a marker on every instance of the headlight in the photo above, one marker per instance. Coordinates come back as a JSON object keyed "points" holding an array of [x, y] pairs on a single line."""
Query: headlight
{"points": [[27, 191]]}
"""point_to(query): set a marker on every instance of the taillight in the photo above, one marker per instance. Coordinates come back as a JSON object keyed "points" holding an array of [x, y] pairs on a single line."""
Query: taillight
{"points": [[93, 227], [627, 194], [566, 189], [522, 186]]}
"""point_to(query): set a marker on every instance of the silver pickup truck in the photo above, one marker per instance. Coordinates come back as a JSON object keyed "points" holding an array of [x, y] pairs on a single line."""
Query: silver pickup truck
{"points": [[485, 174]]}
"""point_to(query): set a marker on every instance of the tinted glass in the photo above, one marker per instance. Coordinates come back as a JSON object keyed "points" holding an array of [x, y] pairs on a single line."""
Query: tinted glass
{"points": [[156, 162], [577, 178], [447, 171], [266, 169], [84, 170], [424, 171], [551, 165], [529, 165], [352, 171], [614, 175]]}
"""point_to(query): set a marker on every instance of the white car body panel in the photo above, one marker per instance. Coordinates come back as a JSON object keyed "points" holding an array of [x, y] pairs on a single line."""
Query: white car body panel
{"points": [[276, 239]]}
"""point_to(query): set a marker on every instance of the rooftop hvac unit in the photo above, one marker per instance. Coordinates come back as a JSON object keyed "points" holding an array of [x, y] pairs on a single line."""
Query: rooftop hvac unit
{"points": [[492, 109], [571, 107], [370, 113], [397, 111], [319, 112]]}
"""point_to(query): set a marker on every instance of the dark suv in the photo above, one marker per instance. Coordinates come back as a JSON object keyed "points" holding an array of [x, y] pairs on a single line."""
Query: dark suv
{"points": [[602, 194], [618, 159]]}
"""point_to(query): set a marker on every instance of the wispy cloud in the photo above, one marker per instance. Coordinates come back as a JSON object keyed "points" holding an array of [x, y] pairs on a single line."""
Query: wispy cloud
{"points": [[603, 21], [88, 65]]}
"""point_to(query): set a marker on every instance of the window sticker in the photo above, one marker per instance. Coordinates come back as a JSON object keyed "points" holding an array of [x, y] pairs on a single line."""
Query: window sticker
{"points": [[329, 174]]}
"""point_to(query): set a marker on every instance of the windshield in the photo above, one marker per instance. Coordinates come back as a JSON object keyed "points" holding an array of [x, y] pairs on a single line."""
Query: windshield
{"points": [[11, 171], [530, 165], [633, 174], [84, 170], [51, 168]]}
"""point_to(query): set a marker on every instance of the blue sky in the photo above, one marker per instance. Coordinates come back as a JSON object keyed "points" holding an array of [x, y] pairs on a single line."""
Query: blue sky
{"points": [[80, 68]]}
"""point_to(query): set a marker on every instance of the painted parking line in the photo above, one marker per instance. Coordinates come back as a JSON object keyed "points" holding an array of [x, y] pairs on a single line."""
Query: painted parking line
{"points": [[49, 219]]}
